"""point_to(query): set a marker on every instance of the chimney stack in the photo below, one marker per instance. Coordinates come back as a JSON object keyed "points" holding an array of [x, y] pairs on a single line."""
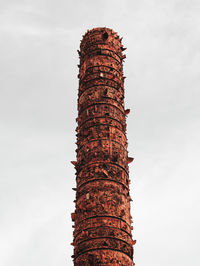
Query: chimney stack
{"points": [[102, 220]]}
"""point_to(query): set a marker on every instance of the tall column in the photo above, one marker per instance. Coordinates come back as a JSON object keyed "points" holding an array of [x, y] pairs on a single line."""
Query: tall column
{"points": [[102, 229]]}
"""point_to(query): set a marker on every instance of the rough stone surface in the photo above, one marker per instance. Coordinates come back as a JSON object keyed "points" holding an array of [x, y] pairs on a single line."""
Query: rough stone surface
{"points": [[102, 229]]}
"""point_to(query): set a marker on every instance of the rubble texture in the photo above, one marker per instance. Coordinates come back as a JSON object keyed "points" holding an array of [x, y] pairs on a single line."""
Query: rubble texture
{"points": [[102, 220]]}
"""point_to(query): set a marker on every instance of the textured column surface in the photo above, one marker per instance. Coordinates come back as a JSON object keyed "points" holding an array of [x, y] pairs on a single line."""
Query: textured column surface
{"points": [[102, 220]]}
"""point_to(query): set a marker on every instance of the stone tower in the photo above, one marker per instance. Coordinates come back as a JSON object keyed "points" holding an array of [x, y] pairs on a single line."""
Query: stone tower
{"points": [[102, 220]]}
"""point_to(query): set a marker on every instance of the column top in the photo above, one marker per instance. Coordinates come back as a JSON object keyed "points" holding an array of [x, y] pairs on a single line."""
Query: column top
{"points": [[101, 35]]}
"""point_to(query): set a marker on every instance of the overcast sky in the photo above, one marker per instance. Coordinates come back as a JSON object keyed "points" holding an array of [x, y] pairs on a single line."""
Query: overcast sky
{"points": [[38, 97]]}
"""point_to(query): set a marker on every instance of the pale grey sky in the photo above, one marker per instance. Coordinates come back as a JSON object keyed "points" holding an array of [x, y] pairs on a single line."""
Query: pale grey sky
{"points": [[38, 97]]}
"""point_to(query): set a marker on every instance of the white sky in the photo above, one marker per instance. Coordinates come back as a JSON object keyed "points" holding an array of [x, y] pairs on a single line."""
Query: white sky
{"points": [[38, 97]]}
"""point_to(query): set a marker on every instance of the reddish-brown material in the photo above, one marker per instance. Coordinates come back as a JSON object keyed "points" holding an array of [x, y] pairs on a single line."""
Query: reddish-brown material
{"points": [[102, 234]]}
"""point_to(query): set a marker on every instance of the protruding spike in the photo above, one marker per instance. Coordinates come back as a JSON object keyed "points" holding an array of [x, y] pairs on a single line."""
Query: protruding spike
{"points": [[130, 159], [73, 216], [123, 49], [133, 242], [127, 111]]}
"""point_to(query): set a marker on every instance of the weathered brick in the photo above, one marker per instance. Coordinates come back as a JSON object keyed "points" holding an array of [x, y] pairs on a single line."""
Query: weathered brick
{"points": [[102, 234]]}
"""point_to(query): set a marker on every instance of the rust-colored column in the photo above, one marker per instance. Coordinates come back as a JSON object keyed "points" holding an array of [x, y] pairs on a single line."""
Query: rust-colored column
{"points": [[102, 234]]}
